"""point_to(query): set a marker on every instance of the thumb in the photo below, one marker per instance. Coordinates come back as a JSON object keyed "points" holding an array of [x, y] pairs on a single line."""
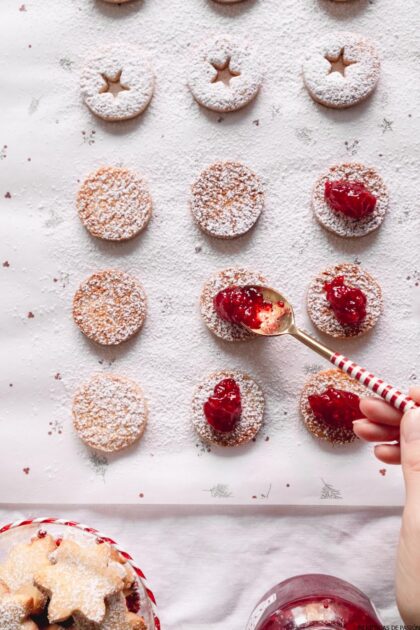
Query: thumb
{"points": [[410, 457]]}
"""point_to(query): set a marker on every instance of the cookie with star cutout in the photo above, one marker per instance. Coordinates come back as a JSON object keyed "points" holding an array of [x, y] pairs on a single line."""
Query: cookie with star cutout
{"points": [[117, 82], [225, 74], [79, 580], [341, 69]]}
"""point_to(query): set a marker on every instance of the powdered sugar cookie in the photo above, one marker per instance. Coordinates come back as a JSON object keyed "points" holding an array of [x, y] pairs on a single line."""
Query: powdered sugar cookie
{"points": [[109, 414], [350, 199], [117, 82], [341, 69], [227, 199], [79, 580], [217, 282], [23, 561], [114, 203], [344, 301], [329, 403], [231, 401], [225, 75], [109, 307], [14, 613], [116, 617]]}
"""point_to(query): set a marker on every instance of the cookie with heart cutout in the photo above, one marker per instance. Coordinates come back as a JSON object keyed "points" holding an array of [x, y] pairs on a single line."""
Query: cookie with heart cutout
{"points": [[341, 69], [117, 82], [227, 408], [350, 199], [225, 75]]}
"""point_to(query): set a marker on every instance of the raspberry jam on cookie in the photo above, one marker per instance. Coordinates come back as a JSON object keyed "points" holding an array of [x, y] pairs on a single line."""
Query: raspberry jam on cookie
{"points": [[350, 198], [248, 306], [224, 408], [335, 407], [348, 303]]}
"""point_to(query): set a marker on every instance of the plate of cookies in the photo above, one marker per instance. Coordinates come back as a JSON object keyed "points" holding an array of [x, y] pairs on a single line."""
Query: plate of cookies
{"points": [[61, 574]]}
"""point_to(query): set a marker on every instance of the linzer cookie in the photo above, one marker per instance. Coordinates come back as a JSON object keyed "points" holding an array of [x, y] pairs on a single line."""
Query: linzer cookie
{"points": [[329, 404], [18, 570], [227, 408], [79, 580], [225, 74], [227, 199], [218, 282], [114, 203], [117, 82], [341, 69], [350, 199], [109, 412], [344, 301], [109, 307]]}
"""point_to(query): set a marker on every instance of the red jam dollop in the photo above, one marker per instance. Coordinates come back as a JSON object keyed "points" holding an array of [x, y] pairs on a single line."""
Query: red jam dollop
{"points": [[348, 303], [336, 407], [351, 198], [243, 305], [223, 409]]}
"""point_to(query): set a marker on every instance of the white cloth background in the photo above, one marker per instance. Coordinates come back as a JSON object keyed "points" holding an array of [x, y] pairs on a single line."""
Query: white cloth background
{"points": [[209, 566]]}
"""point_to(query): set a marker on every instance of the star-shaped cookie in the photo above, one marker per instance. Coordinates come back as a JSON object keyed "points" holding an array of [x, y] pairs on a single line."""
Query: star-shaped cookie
{"points": [[79, 580], [116, 617], [20, 566]]}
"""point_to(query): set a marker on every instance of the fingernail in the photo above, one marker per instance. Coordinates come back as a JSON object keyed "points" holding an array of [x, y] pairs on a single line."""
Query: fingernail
{"points": [[360, 421], [411, 426]]}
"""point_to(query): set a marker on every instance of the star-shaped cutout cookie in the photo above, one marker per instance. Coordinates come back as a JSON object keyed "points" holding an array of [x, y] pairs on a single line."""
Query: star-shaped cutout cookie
{"points": [[79, 581], [20, 566], [339, 63], [116, 617]]}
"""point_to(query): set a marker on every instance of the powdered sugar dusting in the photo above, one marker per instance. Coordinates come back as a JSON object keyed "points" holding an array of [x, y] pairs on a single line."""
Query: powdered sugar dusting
{"points": [[252, 400], [317, 384], [227, 199], [219, 281], [338, 222], [218, 54], [114, 203], [109, 307], [109, 412], [323, 316], [116, 617], [13, 614], [361, 74], [122, 63]]}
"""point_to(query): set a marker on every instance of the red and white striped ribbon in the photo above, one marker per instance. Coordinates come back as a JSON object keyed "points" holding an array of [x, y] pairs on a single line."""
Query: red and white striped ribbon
{"points": [[392, 395], [98, 536]]}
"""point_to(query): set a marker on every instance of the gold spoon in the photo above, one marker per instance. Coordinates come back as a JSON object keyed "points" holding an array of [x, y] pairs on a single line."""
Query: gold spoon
{"points": [[284, 324]]}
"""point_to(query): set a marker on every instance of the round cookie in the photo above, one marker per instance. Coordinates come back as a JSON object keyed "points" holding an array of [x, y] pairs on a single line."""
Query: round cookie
{"points": [[114, 203], [317, 384], [217, 282], [109, 412], [227, 199], [109, 307], [252, 400], [339, 223], [225, 74], [322, 315], [117, 82], [341, 69]]}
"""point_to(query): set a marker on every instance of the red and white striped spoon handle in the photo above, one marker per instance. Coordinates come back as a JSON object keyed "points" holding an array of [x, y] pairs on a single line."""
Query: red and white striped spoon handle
{"points": [[392, 395]]}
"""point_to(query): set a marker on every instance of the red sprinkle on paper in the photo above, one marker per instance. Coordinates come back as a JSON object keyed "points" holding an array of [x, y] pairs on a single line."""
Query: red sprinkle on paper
{"points": [[7, 196], [382, 471], [26, 470], [6, 263], [30, 315]]}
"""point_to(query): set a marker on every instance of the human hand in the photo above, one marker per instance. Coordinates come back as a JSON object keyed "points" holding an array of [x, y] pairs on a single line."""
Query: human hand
{"points": [[384, 424]]}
